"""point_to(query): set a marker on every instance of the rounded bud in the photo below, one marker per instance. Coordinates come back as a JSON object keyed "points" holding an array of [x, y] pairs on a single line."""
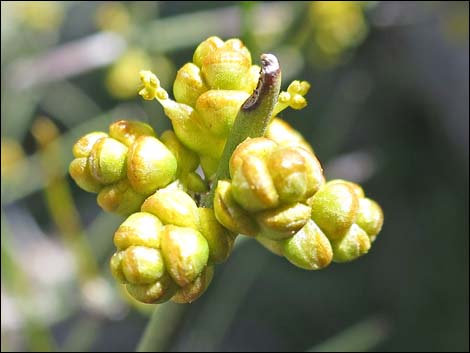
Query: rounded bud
{"points": [[285, 135], [115, 265], [107, 160], [142, 265], [188, 85], [226, 68], [219, 108], [358, 190], [185, 252], [192, 132], [253, 187], [283, 222], [154, 293], [195, 289], [265, 175], [275, 246], [83, 146], [127, 132], [309, 248], [80, 173], [219, 239], [230, 214], [141, 229], [370, 217], [296, 173], [334, 209], [251, 80], [120, 198], [150, 165], [206, 48], [354, 244], [261, 147], [187, 159], [194, 182], [173, 207]]}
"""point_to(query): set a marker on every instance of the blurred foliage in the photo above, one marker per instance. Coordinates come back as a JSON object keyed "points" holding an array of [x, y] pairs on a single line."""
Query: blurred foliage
{"points": [[389, 85]]}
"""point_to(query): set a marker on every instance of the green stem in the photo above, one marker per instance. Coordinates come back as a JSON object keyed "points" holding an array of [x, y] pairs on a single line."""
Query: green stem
{"points": [[252, 119], [162, 324]]}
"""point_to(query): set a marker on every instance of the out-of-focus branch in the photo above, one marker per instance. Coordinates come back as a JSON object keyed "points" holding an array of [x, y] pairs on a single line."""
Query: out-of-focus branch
{"points": [[67, 60], [162, 35]]}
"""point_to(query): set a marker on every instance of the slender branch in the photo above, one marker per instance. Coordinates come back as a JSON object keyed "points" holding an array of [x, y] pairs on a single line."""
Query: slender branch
{"points": [[253, 117], [160, 327]]}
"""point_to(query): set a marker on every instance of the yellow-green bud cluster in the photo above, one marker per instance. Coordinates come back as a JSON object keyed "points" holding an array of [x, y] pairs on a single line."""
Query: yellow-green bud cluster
{"points": [[349, 219], [167, 250], [124, 166], [168, 246], [209, 92], [343, 226], [278, 195]]}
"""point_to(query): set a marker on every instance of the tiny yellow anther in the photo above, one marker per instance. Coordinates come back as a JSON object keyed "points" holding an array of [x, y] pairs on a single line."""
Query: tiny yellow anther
{"points": [[151, 85]]}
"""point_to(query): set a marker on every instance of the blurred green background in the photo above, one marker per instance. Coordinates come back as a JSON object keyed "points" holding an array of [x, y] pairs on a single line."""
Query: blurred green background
{"points": [[388, 108]]}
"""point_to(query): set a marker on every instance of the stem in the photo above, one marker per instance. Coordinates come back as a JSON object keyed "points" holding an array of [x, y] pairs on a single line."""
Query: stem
{"points": [[160, 328], [252, 119]]}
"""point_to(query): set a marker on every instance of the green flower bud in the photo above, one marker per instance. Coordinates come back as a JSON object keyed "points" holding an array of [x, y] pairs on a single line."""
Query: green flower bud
{"points": [[356, 187], [251, 80], [237, 45], [370, 217], [355, 243], [192, 132], [154, 293], [230, 214], [275, 246], [120, 198], [309, 248], [80, 173], [219, 239], [227, 67], [296, 173], [150, 165], [173, 207], [206, 48], [260, 147], [194, 182], [334, 208], [83, 146], [142, 265], [188, 85], [107, 160], [185, 252], [115, 264], [141, 229], [128, 132], [283, 222], [253, 187], [195, 289], [285, 135], [264, 175], [219, 108], [187, 159]]}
